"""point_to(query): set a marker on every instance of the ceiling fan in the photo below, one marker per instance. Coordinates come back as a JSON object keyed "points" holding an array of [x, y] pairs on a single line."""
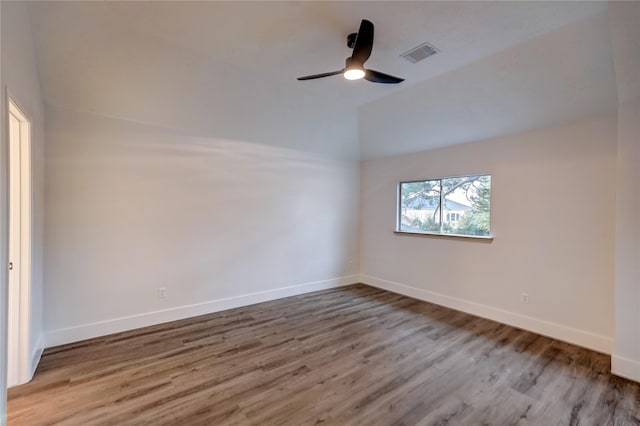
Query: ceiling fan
{"points": [[362, 44]]}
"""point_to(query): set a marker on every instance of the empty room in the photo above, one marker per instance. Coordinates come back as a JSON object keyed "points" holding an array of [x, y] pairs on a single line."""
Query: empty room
{"points": [[317, 212]]}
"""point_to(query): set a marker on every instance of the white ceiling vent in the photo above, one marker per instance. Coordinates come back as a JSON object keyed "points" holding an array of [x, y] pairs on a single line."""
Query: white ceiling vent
{"points": [[419, 53]]}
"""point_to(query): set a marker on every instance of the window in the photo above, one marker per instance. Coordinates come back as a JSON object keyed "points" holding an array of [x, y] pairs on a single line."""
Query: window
{"points": [[449, 206]]}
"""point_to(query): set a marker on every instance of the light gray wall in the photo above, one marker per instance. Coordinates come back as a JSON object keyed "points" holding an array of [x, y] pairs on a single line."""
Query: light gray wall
{"points": [[20, 77], [626, 354], [625, 36], [218, 222], [552, 216]]}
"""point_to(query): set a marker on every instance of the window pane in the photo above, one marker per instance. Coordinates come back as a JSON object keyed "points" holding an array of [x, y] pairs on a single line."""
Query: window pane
{"points": [[467, 203], [419, 206]]}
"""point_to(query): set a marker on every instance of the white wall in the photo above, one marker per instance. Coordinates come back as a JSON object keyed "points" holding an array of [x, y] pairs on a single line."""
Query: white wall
{"points": [[625, 37], [552, 216], [20, 77], [219, 223], [626, 354]]}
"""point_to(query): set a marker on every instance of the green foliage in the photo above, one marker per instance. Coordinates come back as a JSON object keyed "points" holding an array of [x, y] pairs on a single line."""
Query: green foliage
{"points": [[477, 221], [419, 194], [429, 225]]}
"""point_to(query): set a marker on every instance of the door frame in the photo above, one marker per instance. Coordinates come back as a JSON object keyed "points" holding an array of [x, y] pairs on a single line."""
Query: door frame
{"points": [[19, 296]]}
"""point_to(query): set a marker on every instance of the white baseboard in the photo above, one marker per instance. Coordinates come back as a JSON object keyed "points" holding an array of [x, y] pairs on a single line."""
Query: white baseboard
{"points": [[116, 325], [36, 355], [625, 367], [575, 336]]}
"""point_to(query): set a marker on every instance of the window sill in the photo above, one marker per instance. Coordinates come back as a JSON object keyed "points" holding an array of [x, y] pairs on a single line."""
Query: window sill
{"points": [[479, 238]]}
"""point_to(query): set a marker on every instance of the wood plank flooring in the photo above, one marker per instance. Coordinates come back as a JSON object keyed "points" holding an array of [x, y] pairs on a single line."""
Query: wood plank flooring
{"points": [[350, 356]]}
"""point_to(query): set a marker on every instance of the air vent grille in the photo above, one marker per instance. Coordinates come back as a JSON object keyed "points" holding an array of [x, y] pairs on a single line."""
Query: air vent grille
{"points": [[419, 53]]}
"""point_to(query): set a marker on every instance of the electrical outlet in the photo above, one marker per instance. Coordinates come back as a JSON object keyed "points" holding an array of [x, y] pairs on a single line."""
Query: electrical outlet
{"points": [[524, 298], [162, 292]]}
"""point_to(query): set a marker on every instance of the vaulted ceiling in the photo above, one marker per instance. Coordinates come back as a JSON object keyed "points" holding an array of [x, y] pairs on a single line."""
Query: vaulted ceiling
{"points": [[228, 69]]}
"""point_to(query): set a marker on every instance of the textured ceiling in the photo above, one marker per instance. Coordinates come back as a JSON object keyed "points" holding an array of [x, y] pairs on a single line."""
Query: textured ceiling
{"points": [[228, 69]]}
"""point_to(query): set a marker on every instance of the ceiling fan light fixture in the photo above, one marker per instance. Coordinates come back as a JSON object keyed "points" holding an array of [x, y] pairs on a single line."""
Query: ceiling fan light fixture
{"points": [[354, 74]]}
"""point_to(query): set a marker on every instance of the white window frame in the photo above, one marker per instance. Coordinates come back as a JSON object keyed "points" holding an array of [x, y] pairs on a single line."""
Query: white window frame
{"points": [[398, 227]]}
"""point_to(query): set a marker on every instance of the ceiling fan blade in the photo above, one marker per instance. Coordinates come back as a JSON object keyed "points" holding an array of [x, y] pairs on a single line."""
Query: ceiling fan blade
{"points": [[326, 74], [380, 77], [364, 43]]}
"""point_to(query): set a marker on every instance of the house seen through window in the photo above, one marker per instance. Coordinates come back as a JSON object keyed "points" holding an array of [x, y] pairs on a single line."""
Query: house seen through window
{"points": [[452, 205]]}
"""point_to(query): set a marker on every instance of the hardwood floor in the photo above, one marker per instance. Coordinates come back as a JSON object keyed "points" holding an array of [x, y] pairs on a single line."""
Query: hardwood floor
{"points": [[355, 355]]}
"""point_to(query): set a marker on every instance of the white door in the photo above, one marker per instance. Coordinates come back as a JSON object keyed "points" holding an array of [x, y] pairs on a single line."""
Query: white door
{"points": [[18, 358]]}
